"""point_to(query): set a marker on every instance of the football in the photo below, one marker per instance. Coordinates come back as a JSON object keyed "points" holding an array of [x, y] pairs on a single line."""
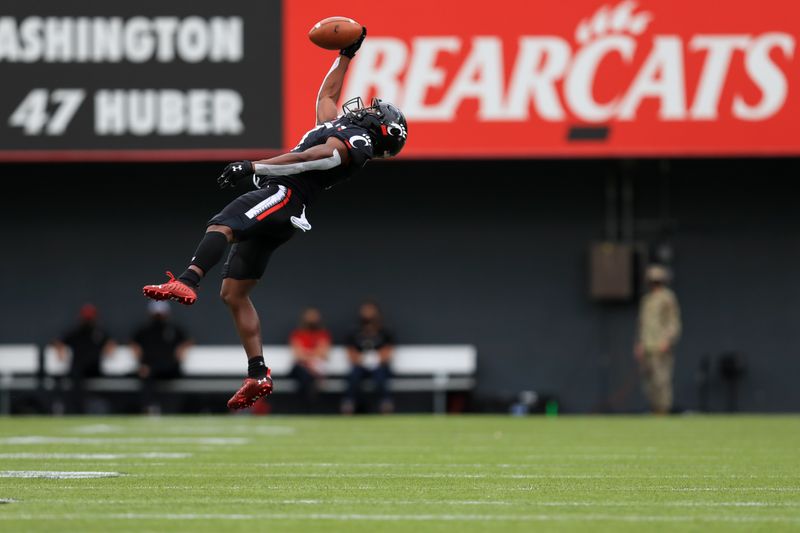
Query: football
{"points": [[335, 33]]}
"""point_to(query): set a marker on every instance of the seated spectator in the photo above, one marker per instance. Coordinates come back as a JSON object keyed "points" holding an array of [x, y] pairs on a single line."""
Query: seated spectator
{"points": [[310, 344], [88, 343], [160, 347], [369, 349]]}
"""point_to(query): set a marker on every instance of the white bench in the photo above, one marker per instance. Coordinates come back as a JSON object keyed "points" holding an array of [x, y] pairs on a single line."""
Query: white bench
{"points": [[19, 364], [418, 368]]}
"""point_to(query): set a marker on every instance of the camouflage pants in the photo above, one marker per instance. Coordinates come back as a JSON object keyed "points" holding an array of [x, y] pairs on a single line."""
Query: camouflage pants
{"points": [[657, 379]]}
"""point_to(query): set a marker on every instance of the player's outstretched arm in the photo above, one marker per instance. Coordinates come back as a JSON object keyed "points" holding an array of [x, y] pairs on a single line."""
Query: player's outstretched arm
{"points": [[321, 157], [331, 88]]}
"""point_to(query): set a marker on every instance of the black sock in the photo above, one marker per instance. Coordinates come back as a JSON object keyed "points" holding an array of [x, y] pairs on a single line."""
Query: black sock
{"points": [[209, 252], [190, 277], [256, 368]]}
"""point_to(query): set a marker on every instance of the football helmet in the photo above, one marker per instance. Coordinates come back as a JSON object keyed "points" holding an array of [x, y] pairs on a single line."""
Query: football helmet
{"points": [[384, 121]]}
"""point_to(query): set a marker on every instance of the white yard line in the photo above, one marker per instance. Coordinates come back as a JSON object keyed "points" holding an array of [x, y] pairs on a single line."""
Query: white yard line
{"points": [[161, 427], [233, 430], [732, 489], [51, 474], [37, 439], [668, 488], [456, 503], [416, 517], [491, 476], [97, 428], [507, 466], [495, 490], [96, 456], [528, 504]]}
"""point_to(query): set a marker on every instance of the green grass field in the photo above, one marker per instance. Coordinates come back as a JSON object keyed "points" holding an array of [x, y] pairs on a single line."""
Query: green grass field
{"points": [[464, 474]]}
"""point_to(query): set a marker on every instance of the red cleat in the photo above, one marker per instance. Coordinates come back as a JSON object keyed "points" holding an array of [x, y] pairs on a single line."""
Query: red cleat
{"points": [[171, 290], [250, 391]]}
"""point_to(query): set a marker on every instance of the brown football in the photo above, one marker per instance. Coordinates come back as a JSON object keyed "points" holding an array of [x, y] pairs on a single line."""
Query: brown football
{"points": [[335, 33]]}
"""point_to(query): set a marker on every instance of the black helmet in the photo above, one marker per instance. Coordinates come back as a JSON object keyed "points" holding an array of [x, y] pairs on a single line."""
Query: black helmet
{"points": [[385, 122]]}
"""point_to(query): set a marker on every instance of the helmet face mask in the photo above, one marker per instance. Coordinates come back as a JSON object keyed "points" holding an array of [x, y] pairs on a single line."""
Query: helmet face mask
{"points": [[385, 122]]}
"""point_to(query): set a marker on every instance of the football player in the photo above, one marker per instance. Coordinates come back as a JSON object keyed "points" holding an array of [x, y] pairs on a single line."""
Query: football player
{"points": [[259, 221]]}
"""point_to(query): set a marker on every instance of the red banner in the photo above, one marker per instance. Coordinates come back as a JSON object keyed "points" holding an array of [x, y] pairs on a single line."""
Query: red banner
{"points": [[523, 78]]}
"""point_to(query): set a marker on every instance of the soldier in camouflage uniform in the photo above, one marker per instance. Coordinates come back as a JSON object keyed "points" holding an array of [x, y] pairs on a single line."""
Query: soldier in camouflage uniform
{"points": [[658, 332]]}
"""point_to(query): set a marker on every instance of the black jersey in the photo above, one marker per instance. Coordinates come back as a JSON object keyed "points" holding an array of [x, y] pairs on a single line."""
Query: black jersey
{"points": [[309, 182]]}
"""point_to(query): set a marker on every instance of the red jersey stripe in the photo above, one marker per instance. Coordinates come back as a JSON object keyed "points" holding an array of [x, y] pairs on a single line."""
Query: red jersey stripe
{"points": [[274, 208]]}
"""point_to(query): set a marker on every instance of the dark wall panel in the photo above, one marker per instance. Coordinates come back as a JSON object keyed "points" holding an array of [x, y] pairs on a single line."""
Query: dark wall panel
{"points": [[488, 253]]}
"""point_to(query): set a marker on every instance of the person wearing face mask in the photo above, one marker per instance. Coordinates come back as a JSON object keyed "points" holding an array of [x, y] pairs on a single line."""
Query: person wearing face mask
{"points": [[370, 349], [88, 343], [310, 343], [160, 346]]}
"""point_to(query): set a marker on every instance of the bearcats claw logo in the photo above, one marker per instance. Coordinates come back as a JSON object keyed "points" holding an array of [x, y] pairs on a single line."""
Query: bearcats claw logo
{"points": [[397, 130], [360, 139], [613, 20], [606, 25]]}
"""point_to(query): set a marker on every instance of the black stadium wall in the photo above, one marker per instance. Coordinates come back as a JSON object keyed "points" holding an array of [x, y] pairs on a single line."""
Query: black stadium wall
{"points": [[490, 253]]}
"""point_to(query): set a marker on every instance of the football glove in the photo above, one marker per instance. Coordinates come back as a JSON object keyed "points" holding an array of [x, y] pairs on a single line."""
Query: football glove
{"points": [[234, 173], [351, 50]]}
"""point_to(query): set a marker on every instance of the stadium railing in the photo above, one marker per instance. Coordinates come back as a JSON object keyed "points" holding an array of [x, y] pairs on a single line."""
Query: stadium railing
{"points": [[435, 369]]}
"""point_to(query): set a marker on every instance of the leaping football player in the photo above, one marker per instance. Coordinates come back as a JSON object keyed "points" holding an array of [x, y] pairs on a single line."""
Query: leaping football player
{"points": [[286, 186]]}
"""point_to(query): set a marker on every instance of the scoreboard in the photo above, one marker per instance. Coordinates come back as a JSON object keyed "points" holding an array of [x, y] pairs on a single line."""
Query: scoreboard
{"points": [[143, 79]]}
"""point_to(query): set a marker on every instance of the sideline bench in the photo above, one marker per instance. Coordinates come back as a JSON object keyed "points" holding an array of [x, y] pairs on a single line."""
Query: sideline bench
{"points": [[19, 364], [437, 369]]}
